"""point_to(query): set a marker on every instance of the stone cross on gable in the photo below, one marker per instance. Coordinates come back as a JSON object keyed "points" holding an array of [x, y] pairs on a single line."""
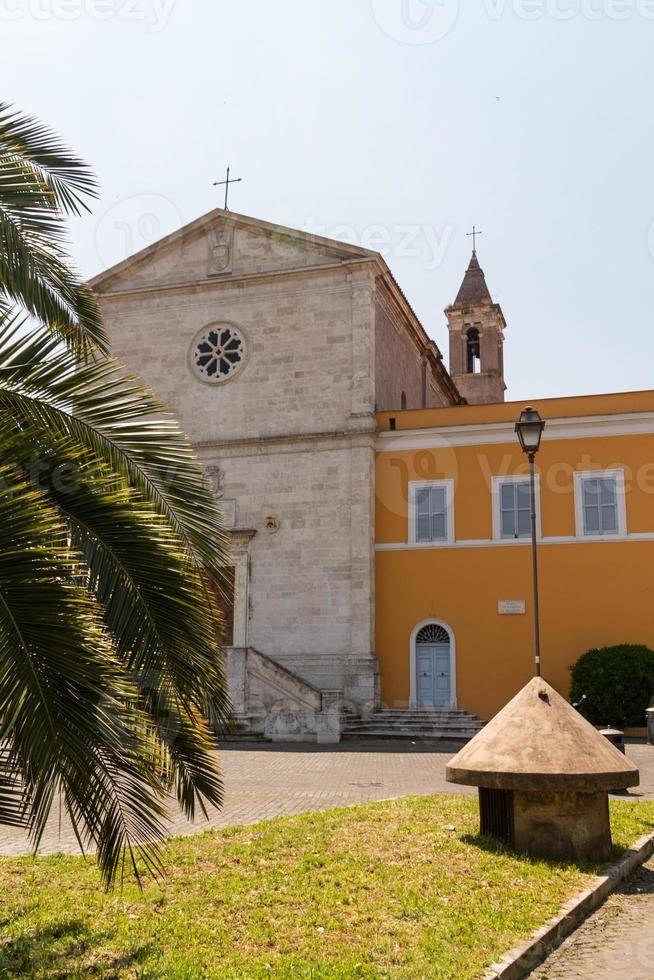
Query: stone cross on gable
{"points": [[227, 182]]}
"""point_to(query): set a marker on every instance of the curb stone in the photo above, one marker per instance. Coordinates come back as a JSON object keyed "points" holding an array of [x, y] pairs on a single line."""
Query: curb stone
{"points": [[521, 959]]}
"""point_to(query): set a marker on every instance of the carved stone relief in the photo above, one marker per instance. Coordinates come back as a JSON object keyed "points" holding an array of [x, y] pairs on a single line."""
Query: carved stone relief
{"points": [[220, 250]]}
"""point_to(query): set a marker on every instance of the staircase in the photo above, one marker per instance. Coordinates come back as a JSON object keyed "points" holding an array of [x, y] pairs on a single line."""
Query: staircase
{"points": [[270, 701], [413, 723]]}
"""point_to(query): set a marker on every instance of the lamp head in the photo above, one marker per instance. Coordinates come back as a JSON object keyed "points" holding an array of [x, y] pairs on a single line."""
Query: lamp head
{"points": [[529, 428]]}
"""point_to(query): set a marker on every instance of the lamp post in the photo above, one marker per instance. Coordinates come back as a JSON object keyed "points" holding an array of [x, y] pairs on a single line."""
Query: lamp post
{"points": [[529, 429]]}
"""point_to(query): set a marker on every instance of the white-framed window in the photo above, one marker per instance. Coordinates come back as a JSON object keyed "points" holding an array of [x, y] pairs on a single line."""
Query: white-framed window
{"points": [[431, 511], [600, 506], [512, 507]]}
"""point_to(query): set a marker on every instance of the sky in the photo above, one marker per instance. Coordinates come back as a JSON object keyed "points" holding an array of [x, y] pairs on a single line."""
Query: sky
{"points": [[394, 124]]}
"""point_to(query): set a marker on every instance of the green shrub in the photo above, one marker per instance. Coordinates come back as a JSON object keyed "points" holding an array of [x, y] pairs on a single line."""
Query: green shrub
{"points": [[614, 685]]}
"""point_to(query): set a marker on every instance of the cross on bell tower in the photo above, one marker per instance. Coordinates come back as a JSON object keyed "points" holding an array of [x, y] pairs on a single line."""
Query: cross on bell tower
{"points": [[476, 325], [473, 234]]}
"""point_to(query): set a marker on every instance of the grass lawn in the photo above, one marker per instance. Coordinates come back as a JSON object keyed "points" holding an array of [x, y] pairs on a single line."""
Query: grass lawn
{"points": [[394, 889]]}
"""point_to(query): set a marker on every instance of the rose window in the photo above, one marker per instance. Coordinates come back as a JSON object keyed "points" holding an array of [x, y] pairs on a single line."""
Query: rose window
{"points": [[217, 353]]}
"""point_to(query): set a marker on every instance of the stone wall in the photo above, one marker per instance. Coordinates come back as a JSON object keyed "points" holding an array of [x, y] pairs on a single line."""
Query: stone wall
{"points": [[310, 503], [298, 346], [289, 439], [401, 364]]}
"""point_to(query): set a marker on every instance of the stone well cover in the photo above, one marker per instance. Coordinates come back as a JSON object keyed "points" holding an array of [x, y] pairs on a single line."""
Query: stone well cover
{"points": [[541, 743]]}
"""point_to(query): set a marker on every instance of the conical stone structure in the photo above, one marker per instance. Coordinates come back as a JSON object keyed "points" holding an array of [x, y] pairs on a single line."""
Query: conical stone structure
{"points": [[544, 774]]}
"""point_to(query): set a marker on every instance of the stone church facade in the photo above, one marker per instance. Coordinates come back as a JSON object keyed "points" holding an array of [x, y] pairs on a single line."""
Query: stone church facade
{"points": [[275, 349]]}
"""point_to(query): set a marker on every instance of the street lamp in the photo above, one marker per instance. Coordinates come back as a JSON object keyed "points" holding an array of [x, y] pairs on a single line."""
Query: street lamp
{"points": [[529, 428]]}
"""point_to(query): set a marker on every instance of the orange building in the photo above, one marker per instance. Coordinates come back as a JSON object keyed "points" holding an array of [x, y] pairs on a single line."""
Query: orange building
{"points": [[454, 610]]}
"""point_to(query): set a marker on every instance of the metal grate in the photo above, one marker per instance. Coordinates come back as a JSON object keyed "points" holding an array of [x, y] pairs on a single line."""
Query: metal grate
{"points": [[433, 634], [496, 813]]}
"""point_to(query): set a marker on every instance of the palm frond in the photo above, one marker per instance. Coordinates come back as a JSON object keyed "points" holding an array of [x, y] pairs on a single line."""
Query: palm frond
{"points": [[109, 634], [37, 279], [156, 605], [68, 179], [14, 801], [67, 719], [140, 565], [41, 183], [99, 406]]}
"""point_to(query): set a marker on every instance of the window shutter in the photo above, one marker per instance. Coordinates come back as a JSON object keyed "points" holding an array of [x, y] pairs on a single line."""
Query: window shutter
{"points": [[515, 509], [431, 514], [523, 509], [423, 527], [600, 505]]}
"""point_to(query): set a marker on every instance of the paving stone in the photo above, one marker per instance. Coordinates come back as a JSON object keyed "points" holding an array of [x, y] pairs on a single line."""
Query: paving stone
{"points": [[617, 943], [270, 780]]}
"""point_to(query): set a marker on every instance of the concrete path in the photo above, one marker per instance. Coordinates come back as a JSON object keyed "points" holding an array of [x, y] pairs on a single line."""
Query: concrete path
{"points": [[616, 943], [264, 781]]}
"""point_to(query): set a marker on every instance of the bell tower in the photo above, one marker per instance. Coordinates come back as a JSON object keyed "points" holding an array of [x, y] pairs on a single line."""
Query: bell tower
{"points": [[476, 325]]}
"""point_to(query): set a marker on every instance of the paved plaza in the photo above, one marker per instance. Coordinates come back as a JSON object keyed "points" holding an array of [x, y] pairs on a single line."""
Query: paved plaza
{"points": [[271, 780], [264, 781]]}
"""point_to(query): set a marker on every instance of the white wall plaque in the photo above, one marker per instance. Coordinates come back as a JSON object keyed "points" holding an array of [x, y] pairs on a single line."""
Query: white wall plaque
{"points": [[511, 607]]}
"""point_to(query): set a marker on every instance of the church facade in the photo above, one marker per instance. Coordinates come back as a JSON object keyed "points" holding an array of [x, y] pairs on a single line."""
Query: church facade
{"points": [[275, 349], [374, 500]]}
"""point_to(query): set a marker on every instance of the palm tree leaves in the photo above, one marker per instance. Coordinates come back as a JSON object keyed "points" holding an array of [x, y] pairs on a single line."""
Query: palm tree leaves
{"points": [[67, 178], [109, 537], [41, 183], [117, 419], [68, 719], [137, 516]]}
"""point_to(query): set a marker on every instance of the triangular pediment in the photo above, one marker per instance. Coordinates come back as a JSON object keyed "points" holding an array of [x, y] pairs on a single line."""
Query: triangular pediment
{"points": [[223, 244]]}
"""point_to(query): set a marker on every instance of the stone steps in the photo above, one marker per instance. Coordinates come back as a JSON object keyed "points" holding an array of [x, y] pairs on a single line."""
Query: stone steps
{"points": [[420, 717], [414, 723], [417, 724]]}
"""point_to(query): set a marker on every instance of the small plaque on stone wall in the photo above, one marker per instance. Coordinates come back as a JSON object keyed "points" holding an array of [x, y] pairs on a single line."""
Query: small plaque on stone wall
{"points": [[511, 607]]}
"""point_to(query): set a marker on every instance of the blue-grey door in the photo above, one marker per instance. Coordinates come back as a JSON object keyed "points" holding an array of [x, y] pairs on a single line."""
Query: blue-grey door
{"points": [[433, 688]]}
